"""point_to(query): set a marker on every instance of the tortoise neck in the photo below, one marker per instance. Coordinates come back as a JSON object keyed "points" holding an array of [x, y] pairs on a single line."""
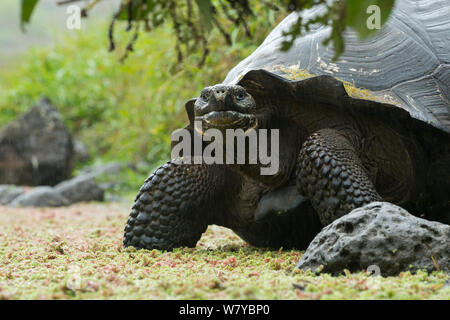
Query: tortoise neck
{"points": [[275, 155]]}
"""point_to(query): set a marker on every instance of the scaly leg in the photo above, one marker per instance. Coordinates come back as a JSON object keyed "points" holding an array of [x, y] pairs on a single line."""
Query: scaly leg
{"points": [[174, 206], [332, 176]]}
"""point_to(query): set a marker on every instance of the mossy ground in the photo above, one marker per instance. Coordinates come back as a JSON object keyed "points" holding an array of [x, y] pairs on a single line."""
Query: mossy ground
{"points": [[77, 253]]}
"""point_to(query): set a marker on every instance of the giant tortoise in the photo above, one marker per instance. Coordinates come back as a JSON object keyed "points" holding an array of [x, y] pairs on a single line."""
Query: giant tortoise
{"points": [[372, 126]]}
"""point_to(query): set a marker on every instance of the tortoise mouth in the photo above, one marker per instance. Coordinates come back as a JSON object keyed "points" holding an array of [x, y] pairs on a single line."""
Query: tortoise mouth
{"points": [[224, 118], [229, 119]]}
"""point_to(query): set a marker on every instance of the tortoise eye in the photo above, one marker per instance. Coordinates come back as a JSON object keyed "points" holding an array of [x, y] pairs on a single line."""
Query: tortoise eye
{"points": [[240, 96]]}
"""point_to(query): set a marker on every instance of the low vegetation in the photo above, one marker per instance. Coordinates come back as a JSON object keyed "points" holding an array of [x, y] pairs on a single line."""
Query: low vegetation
{"points": [[77, 253]]}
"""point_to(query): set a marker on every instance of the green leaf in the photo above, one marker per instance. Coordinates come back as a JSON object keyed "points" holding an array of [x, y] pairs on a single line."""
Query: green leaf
{"points": [[357, 16], [205, 9], [139, 10], [26, 8]]}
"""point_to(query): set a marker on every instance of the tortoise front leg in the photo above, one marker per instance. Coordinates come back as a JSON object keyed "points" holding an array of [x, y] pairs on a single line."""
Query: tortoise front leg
{"points": [[332, 176], [174, 206]]}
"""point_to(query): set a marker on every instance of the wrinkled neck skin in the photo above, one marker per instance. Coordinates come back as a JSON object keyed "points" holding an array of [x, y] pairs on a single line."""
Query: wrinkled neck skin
{"points": [[289, 141]]}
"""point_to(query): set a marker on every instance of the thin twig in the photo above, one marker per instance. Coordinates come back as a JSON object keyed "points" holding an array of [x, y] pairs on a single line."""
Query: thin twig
{"points": [[433, 257]]}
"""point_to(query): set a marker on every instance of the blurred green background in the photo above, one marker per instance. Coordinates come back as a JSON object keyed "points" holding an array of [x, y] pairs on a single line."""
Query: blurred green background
{"points": [[121, 112]]}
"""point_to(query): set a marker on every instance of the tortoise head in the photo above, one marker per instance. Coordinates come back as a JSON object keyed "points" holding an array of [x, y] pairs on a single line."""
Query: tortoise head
{"points": [[225, 107]]}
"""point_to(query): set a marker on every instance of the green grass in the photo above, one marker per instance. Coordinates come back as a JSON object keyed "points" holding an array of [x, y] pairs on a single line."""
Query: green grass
{"points": [[76, 253]]}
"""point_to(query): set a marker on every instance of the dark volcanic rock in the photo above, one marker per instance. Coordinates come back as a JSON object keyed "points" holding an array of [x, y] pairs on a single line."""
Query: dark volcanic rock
{"points": [[9, 192], [40, 197], [81, 188], [36, 149], [380, 234]]}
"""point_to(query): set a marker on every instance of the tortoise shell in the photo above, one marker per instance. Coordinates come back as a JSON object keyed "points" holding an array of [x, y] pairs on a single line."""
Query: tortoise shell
{"points": [[405, 64]]}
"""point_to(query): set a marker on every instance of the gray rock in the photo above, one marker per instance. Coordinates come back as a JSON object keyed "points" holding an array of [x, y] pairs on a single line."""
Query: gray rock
{"points": [[36, 148], [81, 152], [381, 235], [108, 175], [43, 196], [80, 188], [103, 171], [9, 192]]}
